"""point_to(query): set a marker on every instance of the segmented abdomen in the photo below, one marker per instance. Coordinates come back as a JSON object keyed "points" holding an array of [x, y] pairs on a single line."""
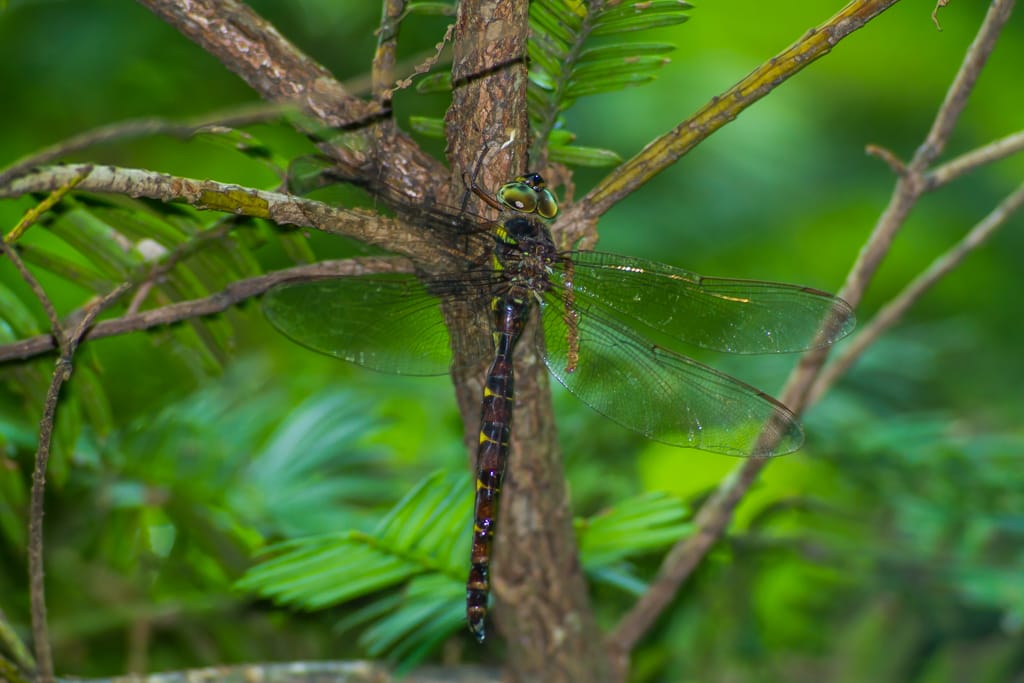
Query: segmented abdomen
{"points": [[510, 316]]}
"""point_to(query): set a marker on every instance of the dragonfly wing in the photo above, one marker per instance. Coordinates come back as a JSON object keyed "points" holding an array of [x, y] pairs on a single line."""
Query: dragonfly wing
{"points": [[658, 393], [737, 316], [388, 323]]}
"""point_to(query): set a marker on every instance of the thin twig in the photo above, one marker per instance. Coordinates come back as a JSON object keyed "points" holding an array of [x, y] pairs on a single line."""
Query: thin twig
{"points": [[232, 295], [29, 219], [666, 150], [891, 313], [320, 671], [428, 62], [250, 46], [993, 151], [382, 73], [898, 166], [956, 97], [33, 214], [168, 261], [912, 184], [145, 127], [714, 516], [37, 289], [935, 13], [36, 569]]}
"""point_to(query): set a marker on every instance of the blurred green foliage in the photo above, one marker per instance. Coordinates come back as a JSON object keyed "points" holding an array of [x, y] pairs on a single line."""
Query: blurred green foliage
{"points": [[890, 549]]}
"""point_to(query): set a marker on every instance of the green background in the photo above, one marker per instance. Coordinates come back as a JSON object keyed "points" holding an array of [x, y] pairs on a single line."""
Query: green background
{"points": [[889, 549]]}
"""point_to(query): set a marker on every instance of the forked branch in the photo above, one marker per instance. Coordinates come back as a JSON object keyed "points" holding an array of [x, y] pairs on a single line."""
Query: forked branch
{"points": [[715, 515]]}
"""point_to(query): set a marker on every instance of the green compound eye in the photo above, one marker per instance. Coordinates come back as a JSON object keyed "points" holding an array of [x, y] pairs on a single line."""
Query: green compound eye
{"points": [[547, 205], [527, 194], [518, 196]]}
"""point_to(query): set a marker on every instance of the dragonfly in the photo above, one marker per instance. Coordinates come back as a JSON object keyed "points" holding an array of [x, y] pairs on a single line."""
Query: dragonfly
{"points": [[615, 330]]}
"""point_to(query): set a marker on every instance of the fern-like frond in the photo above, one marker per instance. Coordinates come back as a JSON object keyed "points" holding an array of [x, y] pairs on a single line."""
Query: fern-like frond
{"points": [[640, 524], [564, 67], [424, 533], [408, 625], [420, 548]]}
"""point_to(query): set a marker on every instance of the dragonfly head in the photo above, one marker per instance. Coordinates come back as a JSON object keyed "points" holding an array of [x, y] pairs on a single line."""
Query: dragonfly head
{"points": [[528, 194]]}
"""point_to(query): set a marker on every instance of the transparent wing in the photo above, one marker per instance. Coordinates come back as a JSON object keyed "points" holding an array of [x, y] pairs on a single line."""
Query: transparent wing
{"points": [[658, 393], [736, 316], [388, 323]]}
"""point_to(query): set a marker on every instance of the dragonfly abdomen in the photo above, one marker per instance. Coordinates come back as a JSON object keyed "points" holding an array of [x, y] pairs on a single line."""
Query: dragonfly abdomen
{"points": [[510, 314]]}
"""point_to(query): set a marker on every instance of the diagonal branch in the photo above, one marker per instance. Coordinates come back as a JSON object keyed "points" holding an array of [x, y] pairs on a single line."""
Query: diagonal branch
{"points": [[891, 313], [144, 127], [37, 586], [965, 163], [232, 295], [666, 150], [283, 209], [253, 49], [912, 183], [715, 515], [278, 71]]}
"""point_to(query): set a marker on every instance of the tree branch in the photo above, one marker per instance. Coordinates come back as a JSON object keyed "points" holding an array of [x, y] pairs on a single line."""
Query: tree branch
{"points": [[994, 151], [232, 295], [666, 150], [253, 49], [36, 571], [911, 183], [311, 672], [283, 209], [279, 72], [144, 127], [891, 313], [715, 515], [382, 74]]}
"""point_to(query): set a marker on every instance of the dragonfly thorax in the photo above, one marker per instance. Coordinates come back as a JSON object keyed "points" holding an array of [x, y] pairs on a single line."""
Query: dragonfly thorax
{"points": [[525, 254]]}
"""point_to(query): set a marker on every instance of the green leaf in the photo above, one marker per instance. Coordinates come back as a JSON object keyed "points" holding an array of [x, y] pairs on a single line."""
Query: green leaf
{"points": [[606, 84], [308, 173], [434, 83], [430, 8], [244, 142], [295, 246], [93, 398], [427, 125], [590, 157], [542, 80], [16, 320], [624, 51], [562, 69], [595, 71], [71, 270], [641, 16], [419, 536], [410, 624], [641, 524], [545, 19], [99, 243]]}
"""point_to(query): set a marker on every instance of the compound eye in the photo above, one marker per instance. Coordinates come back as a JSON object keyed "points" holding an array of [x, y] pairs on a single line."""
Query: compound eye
{"points": [[547, 205], [518, 196]]}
